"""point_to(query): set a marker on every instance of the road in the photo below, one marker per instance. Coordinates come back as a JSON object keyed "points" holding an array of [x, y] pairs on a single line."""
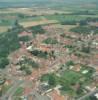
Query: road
{"points": [[87, 95], [8, 95], [11, 91], [16, 84]]}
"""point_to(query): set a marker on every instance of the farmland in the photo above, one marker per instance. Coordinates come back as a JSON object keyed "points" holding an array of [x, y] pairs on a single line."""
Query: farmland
{"points": [[28, 17]]}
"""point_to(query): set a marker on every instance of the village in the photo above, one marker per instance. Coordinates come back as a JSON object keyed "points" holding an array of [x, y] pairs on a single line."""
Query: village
{"points": [[49, 50], [53, 64]]}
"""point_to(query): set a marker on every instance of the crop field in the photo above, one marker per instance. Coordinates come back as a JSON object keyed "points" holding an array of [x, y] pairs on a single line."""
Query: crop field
{"points": [[28, 17], [69, 17], [30, 11], [3, 28], [34, 23], [31, 17]]}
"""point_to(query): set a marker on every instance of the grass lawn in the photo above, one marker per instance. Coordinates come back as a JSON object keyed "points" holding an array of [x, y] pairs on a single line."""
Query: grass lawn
{"points": [[19, 91], [6, 88], [50, 41], [71, 77], [45, 77], [68, 79]]}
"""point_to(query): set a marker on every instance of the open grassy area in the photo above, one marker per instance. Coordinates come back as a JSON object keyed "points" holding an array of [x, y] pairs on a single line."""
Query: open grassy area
{"points": [[27, 17], [68, 79], [34, 23], [71, 77], [3, 28], [85, 29], [8, 16], [5, 88], [65, 17], [19, 91]]}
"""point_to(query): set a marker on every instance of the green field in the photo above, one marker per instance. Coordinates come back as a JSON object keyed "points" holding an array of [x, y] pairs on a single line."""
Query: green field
{"points": [[68, 79], [64, 17], [19, 91], [7, 19]]}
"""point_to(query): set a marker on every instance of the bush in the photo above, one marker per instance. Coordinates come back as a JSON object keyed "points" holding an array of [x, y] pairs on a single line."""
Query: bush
{"points": [[52, 80], [24, 38], [9, 42], [70, 63], [85, 29], [83, 22], [37, 29], [39, 53], [50, 41], [3, 62], [69, 23]]}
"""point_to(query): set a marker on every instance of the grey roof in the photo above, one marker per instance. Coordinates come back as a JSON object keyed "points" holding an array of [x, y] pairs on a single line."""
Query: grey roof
{"points": [[36, 96]]}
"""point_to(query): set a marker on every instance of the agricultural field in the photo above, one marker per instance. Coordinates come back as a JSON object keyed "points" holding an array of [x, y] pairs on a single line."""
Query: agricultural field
{"points": [[28, 17], [4, 28], [34, 23]]}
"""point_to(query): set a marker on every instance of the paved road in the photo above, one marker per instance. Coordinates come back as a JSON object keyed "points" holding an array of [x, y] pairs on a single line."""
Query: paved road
{"points": [[87, 95], [11, 91], [17, 83]]}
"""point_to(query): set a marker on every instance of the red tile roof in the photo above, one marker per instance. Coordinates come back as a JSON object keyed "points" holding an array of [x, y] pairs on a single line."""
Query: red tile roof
{"points": [[56, 96]]}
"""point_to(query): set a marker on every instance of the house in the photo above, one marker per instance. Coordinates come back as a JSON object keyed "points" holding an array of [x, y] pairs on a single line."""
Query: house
{"points": [[27, 90], [44, 88], [68, 42], [8, 82], [76, 67], [55, 95], [91, 87], [24, 33], [75, 58], [45, 47], [96, 95], [30, 48], [37, 96], [85, 72]]}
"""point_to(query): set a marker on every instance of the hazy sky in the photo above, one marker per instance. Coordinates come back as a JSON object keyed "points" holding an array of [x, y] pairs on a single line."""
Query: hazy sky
{"points": [[47, 0]]}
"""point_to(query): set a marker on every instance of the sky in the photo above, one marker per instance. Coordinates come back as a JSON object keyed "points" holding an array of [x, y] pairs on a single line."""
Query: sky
{"points": [[41, 0], [66, 1]]}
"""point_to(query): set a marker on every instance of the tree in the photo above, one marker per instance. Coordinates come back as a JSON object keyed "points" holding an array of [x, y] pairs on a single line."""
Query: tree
{"points": [[79, 90], [28, 71], [83, 22], [69, 63], [3, 62], [0, 92], [92, 98], [16, 25], [52, 80], [85, 49]]}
